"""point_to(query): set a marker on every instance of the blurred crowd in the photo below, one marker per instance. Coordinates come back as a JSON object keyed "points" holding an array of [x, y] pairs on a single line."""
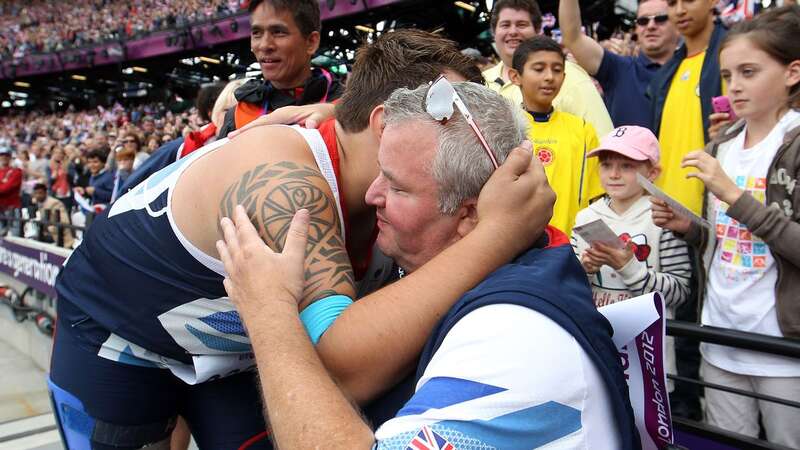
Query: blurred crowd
{"points": [[55, 150], [29, 27]]}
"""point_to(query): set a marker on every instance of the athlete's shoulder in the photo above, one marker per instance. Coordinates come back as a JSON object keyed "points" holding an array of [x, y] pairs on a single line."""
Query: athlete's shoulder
{"points": [[271, 144]]}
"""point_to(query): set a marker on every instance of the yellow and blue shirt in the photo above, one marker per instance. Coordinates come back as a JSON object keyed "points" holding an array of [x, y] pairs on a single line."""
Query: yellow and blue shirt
{"points": [[561, 141], [681, 132]]}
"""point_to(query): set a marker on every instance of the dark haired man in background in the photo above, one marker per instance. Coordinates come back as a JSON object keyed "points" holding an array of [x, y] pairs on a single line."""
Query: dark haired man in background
{"points": [[284, 36]]}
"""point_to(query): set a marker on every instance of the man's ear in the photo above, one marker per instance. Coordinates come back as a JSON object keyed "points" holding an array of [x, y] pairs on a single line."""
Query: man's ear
{"points": [[467, 217], [515, 76], [376, 121], [312, 43]]}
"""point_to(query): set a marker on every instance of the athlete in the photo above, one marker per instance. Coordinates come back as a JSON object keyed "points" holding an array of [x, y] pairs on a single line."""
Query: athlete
{"points": [[145, 329], [523, 360]]}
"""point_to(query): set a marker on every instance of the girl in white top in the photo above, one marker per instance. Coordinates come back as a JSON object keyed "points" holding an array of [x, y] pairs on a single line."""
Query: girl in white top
{"points": [[744, 261]]}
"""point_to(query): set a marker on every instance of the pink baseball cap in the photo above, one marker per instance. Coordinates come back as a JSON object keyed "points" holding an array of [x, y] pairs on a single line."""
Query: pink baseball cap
{"points": [[637, 143]]}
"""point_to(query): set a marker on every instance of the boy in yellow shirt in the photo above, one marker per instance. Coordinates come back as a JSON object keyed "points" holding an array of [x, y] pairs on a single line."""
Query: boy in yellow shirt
{"points": [[560, 140]]}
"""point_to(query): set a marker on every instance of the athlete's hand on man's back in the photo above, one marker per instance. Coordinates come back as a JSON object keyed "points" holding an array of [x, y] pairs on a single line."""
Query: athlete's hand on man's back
{"points": [[308, 116]]}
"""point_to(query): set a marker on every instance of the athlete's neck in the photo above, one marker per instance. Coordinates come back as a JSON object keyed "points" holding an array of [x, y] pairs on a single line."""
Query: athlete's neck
{"points": [[358, 164]]}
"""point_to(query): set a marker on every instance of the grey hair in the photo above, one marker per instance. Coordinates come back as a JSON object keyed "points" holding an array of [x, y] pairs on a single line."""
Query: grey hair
{"points": [[461, 166]]}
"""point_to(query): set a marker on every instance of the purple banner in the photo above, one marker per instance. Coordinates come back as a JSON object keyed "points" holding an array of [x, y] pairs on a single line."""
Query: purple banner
{"points": [[33, 265], [650, 348], [192, 37]]}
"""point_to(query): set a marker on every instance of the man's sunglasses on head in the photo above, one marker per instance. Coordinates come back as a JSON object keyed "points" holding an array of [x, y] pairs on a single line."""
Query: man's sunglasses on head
{"points": [[644, 21], [439, 101]]}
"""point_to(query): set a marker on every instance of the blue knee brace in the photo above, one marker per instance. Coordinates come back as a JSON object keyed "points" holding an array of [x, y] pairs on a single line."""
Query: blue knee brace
{"points": [[79, 430]]}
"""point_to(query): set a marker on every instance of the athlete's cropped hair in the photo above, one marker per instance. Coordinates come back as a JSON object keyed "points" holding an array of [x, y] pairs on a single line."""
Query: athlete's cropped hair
{"points": [[461, 166], [402, 58], [304, 12], [529, 6]]}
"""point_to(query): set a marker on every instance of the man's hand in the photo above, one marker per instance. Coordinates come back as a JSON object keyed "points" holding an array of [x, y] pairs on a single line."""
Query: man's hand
{"points": [[309, 116], [717, 121], [665, 217], [604, 254], [89, 190], [622, 47], [710, 172], [257, 275], [517, 202]]}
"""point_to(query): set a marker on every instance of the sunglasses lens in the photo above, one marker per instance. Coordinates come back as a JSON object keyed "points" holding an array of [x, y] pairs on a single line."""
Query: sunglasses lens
{"points": [[645, 20], [439, 100]]}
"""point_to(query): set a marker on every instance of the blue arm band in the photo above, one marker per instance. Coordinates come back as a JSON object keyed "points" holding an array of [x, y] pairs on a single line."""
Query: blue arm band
{"points": [[320, 315]]}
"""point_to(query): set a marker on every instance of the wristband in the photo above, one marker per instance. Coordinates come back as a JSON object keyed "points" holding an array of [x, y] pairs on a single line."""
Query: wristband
{"points": [[320, 315]]}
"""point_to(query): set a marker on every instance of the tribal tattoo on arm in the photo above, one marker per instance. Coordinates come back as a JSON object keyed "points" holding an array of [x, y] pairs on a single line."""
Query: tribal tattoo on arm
{"points": [[271, 194]]}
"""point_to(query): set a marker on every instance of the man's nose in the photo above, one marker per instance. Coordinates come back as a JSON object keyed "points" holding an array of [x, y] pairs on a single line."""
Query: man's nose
{"points": [[376, 194]]}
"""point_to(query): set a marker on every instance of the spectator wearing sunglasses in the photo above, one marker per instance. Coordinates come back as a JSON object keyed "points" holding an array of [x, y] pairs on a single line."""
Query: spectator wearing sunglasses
{"points": [[560, 140], [624, 79], [131, 142], [514, 21]]}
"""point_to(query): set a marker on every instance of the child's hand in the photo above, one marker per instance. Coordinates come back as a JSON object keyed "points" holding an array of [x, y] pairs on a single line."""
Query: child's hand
{"points": [[604, 254], [665, 217], [716, 122], [710, 172], [589, 265]]}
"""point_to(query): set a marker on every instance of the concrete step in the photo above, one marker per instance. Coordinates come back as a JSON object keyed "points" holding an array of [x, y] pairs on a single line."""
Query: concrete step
{"points": [[31, 433]]}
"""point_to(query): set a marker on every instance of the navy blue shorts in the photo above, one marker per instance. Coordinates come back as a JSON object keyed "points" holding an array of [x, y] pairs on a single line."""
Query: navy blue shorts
{"points": [[222, 414]]}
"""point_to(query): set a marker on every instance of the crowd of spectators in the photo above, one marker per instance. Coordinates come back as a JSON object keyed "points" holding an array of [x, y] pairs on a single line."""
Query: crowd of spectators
{"points": [[29, 27], [55, 150]]}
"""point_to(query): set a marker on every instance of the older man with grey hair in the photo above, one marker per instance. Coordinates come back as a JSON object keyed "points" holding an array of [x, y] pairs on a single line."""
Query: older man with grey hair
{"points": [[523, 360]]}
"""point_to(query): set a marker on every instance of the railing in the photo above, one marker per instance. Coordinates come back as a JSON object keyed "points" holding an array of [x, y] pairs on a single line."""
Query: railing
{"points": [[709, 437], [16, 220], [36, 301]]}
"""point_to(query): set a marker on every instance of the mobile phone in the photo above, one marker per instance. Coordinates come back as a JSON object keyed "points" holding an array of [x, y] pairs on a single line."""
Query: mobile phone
{"points": [[722, 104]]}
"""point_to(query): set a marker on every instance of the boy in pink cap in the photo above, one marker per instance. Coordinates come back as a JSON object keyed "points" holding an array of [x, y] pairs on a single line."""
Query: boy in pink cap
{"points": [[652, 258]]}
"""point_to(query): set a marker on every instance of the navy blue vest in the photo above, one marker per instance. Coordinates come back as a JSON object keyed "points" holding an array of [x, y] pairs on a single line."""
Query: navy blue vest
{"points": [[551, 281]]}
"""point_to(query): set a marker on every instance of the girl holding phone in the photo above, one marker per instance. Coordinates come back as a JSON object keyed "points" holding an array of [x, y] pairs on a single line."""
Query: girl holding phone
{"points": [[751, 257]]}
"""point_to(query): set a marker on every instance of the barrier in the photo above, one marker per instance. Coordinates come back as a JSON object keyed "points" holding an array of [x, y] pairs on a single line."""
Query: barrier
{"points": [[699, 435]]}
